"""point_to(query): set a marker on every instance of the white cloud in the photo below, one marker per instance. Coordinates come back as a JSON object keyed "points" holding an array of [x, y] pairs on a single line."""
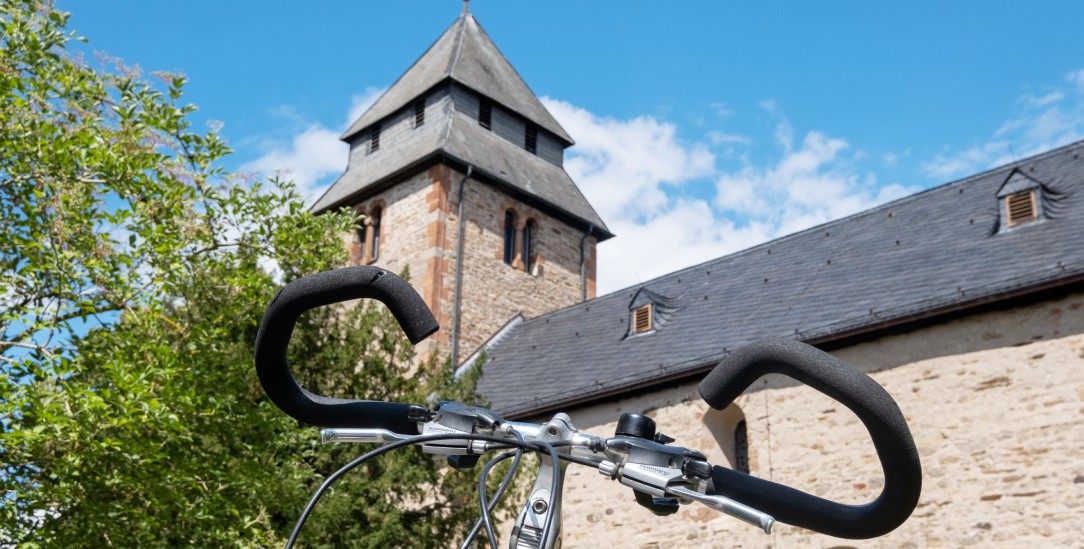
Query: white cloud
{"points": [[721, 109], [310, 156], [1052, 97], [637, 174], [314, 155], [809, 185], [720, 138], [947, 166], [624, 165], [1043, 123], [686, 233], [1077, 77]]}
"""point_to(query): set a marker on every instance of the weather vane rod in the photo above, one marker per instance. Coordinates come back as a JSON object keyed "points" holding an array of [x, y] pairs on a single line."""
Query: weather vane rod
{"points": [[466, 6]]}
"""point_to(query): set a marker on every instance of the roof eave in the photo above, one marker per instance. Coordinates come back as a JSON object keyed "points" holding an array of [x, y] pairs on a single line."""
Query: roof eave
{"points": [[350, 133], [382, 183], [868, 331], [601, 233]]}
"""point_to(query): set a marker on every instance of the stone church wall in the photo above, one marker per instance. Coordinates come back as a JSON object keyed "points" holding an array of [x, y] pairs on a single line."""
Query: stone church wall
{"points": [[995, 402]]}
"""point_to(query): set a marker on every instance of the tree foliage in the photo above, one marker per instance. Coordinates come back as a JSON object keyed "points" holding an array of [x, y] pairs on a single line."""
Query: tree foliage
{"points": [[133, 273]]}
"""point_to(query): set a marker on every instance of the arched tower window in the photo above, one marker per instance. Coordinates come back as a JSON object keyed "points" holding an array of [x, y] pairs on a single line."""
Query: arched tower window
{"points": [[530, 235], [374, 232], [509, 236]]}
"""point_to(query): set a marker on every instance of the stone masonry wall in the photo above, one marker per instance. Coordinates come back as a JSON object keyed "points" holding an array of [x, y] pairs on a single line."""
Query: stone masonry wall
{"points": [[419, 229], [494, 292], [995, 403], [405, 239]]}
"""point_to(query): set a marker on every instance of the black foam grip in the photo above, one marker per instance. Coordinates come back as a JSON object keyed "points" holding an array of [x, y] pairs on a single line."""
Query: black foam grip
{"points": [[322, 289], [865, 397]]}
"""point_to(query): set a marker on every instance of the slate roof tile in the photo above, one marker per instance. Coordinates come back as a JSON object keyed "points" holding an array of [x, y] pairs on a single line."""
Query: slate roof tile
{"points": [[466, 54], [950, 253]]}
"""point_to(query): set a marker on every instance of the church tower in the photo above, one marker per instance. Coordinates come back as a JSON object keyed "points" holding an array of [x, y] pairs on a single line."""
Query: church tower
{"points": [[458, 168]]}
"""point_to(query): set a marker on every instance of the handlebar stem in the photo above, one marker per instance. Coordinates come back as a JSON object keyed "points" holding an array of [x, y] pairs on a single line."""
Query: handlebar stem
{"points": [[531, 523]]}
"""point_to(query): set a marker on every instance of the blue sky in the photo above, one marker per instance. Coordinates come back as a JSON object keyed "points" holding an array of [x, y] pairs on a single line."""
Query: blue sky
{"points": [[702, 127]]}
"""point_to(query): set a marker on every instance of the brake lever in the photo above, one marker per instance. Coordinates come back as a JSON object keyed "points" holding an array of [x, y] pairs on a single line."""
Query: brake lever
{"points": [[658, 480], [661, 481], [363, 436], [740, 511]]}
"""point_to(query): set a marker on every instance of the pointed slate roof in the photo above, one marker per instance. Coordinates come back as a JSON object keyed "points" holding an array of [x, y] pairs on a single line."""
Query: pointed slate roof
{"points": [[466, 143], [934, 253], [463, 57], [464, 53]]}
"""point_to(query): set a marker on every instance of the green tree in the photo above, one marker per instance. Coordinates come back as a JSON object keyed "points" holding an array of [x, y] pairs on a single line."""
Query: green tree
{"points": [[133, 273]]}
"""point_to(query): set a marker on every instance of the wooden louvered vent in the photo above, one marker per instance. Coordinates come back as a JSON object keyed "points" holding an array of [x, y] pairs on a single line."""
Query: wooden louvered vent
{"points": [[485, 114], [531, 139], [374, 139], [641, 319], [1020, 207], [419, 113]]}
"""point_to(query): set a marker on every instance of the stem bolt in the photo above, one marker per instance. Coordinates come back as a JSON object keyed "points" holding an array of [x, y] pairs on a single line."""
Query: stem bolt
{"points": [[539, 506]]}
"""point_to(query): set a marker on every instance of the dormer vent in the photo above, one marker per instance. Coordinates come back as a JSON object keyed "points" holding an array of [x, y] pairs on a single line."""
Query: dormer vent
{"points": [[650, 312], [1023, 199], [641, 319], [1020, 208]]}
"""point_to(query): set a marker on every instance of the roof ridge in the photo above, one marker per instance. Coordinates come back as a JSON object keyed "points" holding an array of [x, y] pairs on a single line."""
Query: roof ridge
{"points": [[832, 223], [881, 207], [458, 46], [454, 56]]}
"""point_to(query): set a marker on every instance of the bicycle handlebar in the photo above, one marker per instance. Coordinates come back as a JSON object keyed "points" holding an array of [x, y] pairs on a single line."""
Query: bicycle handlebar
{"points": [[326, 288], [843, 383], [848, 385]]}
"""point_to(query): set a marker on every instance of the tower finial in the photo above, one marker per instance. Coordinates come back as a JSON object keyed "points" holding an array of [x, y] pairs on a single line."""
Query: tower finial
{"points": [[466, 6]]}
